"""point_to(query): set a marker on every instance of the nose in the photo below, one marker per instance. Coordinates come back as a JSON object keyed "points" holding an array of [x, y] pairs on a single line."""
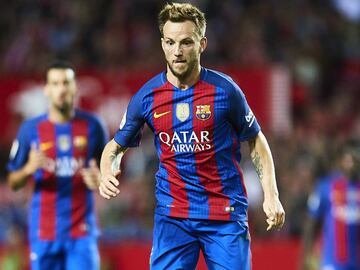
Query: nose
{"points": [[62, 88], [178, 50]]}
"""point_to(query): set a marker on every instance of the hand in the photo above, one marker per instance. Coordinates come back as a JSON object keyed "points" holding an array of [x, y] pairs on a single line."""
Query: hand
{"points": [[108, 185], [274, 212], [91, 175], [35, 161]]}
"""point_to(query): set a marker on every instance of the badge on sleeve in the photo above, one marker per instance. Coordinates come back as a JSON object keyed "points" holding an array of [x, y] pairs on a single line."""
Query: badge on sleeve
{"points": [[14, 149]]}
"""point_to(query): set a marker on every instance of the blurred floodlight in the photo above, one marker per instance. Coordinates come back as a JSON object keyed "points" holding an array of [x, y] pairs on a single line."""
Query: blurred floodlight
{"points": [[29, 101], [349, 8]]}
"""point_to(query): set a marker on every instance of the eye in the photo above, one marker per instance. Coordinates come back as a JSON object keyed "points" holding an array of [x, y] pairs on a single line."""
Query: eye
{"points": [[169, 42], [187, 42]]}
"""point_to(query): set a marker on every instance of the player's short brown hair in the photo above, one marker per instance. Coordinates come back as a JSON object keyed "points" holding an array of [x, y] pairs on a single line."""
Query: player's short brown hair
{"points": [[58, 64], [180, 12]]}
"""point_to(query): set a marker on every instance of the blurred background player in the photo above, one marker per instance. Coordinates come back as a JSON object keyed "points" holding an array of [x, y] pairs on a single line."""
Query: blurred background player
{"points": [[59, 150], [199, 117], [334, 206], [299, 71]]}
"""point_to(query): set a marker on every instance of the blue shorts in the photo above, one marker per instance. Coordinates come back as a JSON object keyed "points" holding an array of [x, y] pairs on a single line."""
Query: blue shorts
{"points": [[177, 243], [81, 253], [336, 266]]}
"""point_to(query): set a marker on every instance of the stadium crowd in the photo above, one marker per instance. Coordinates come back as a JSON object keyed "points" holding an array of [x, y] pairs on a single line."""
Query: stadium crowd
{"points": [[318, 41]]}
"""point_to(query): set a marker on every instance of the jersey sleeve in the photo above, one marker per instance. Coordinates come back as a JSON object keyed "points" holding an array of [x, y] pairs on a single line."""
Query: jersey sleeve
{"points": [[317, 201], [20, 149], [241, 116], [132, 123]]}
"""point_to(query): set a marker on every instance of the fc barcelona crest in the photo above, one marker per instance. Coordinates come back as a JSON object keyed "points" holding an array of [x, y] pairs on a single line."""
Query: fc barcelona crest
{"points": [[80, 142], [203, 112], [182, 111]]}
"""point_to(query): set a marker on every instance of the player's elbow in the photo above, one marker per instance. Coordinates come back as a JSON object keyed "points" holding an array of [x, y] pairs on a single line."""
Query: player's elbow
{"points": [[12, 184]]}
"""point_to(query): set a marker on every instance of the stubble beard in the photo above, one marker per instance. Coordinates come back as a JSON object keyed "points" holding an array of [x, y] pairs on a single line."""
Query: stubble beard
{"points": [[65, 108], [186, 73]]}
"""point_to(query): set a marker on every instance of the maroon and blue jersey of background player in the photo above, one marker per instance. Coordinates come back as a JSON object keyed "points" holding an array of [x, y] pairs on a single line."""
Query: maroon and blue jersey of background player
{"points": [[337, 202], [62, 207], [197, 136]]}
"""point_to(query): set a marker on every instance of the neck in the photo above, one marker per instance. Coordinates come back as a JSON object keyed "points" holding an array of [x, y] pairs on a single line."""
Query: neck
{"points": [[187, 82], [57, 116]]}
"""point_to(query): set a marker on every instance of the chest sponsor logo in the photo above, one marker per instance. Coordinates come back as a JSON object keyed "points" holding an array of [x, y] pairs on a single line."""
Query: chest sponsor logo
{"points": [[182, 111], [203, 112], [158, 115], [349, 214], [186, 141], [345, 206], [64, 166], [64, 143]]}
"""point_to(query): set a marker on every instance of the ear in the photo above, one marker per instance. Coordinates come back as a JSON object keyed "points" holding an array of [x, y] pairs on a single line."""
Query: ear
{"points": [[203, 44], [162, 44], [46, 90], [76, 88]]}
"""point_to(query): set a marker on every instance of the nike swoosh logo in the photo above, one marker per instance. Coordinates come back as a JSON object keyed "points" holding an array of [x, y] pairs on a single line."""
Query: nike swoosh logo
{"points": [[46, 146], [158, 115]]}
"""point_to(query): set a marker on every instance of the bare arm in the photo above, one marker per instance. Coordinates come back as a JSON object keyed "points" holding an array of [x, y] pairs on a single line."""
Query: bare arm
{"points": [[264, 166], [111, 156], [17, 179]]}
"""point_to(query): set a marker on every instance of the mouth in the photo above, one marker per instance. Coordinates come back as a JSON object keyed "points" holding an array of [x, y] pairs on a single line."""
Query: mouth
{"points": [[179, 61]]}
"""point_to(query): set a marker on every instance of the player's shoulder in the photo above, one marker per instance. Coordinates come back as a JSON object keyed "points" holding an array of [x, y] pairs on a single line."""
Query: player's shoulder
{"points": [[332, 177], [81, 114], [95, 123], [88, 116], [144, 94], [33, 121], [337, 177], [29, 126], [155, 82], [326, 181], [220, 79]]}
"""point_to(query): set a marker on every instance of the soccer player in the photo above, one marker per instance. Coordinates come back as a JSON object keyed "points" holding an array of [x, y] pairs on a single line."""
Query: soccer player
{"points": [[58, 151], [334, 206], [199, 117]]}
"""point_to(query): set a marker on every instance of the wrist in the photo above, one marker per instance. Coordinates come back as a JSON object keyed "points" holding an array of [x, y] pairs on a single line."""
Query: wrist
{"points": [[271, 195], [98, 178], [27, 170]]}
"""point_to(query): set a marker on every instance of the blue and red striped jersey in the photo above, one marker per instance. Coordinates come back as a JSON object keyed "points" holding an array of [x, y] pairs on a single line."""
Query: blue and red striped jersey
{"points": [[336, 201], [197, 137], [61, 206]]}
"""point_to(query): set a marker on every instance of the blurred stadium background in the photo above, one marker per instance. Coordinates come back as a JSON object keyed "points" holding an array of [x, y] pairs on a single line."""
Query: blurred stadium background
{"points": [[298, 63]]}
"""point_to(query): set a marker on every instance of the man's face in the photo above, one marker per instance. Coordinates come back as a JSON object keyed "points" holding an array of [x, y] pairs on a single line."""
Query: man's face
{"points": [[182, 47], [350, 163], [60, 88]]}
